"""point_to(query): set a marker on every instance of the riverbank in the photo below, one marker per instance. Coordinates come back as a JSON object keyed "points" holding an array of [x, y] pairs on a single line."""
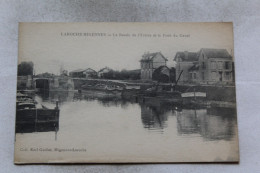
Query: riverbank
{"points": [[221, 95], [214, 93]]}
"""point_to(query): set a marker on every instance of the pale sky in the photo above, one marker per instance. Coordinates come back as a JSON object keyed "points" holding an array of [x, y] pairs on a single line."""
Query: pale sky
{"points": [[43, 44]]}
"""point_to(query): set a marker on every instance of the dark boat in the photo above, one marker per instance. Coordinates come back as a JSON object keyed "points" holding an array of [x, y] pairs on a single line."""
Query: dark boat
{"points": [[30, 119], [23, 98]]}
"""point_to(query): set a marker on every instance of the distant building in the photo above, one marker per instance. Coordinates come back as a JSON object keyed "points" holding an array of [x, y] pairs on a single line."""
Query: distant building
{"points": [[161, 74], [150, 62], [208, 66], [64, 73], [77, 73], [90, 73], [102, 72], [83, 73], [185, 60]]}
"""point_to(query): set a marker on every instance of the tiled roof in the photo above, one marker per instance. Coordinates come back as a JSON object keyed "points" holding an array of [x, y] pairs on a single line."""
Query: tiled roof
{"points": [[160, 69], [150, 56], [105, 68], [187, 56], [90, 70], [77, 71], [209, 53], [82, 70], [215, 53]]}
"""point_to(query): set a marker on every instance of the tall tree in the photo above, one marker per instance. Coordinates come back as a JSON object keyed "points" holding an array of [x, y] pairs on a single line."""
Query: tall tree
{"points": [[25, 69]]}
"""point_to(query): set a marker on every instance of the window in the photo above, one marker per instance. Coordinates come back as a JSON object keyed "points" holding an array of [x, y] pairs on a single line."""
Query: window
{"points": [[203, 76], [227, 65], [214, 76], [220, 76], [190, 75], [195, 76], [220, 65], [227, 75], [213, 65], [203, 65]]}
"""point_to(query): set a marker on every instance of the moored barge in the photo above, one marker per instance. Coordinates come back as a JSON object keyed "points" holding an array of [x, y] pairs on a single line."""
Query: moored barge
{"points": [[30, 118]]}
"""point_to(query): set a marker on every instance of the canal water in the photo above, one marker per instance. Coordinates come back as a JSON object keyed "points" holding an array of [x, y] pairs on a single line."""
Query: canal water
{"points": [[107, 129]]}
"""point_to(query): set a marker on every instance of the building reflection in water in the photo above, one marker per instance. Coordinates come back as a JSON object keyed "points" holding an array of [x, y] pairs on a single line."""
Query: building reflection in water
{"points": [[211, 123], [154, 114], [53, 96], [187, 121]]}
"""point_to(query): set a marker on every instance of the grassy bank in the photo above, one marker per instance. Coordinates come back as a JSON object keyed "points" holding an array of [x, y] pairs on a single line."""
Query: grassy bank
{"points": [[214, 93]]}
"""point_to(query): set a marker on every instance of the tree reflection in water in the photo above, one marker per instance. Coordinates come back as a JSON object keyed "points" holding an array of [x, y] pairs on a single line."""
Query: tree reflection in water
{"points": [[210, 123], [213, 123]]}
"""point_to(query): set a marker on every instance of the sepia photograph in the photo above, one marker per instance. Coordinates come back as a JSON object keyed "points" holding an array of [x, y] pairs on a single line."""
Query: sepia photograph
{"points": [[126, 93]]}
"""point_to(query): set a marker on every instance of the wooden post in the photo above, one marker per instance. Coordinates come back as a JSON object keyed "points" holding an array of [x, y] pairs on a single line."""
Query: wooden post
{"points": [[56, 133], [57, 105], [36, 120], [194, 93]]}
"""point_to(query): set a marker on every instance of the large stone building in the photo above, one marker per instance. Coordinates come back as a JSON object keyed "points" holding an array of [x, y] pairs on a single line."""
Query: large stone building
{"points": [[150, 62], [208, 66]]}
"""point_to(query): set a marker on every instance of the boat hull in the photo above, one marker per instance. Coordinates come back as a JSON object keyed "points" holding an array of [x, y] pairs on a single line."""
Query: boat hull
{"points": [[37, 120]]}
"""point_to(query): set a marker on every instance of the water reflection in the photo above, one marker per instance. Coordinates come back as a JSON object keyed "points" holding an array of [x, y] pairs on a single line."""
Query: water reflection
{"points": [[154, 113], [187, 121], [218, 123], [152, 117], [208, 123], [211, 123], [53, 96]]}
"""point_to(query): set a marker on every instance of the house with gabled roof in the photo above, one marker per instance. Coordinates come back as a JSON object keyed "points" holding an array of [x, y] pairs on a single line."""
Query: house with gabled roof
{"points": [[76, 73], [83, 73], [215, 66], [194, 72], [150, 62], [184, 61], [103, 71], [207, 66]]}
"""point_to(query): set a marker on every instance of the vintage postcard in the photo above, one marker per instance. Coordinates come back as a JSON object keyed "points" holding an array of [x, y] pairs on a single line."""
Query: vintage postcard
{"points": [[126, 93]]}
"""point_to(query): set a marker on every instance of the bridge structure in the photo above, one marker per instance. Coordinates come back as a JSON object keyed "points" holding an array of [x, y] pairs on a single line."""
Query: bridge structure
{"points": [[43, 83], [69, 83], [54, 83]]}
